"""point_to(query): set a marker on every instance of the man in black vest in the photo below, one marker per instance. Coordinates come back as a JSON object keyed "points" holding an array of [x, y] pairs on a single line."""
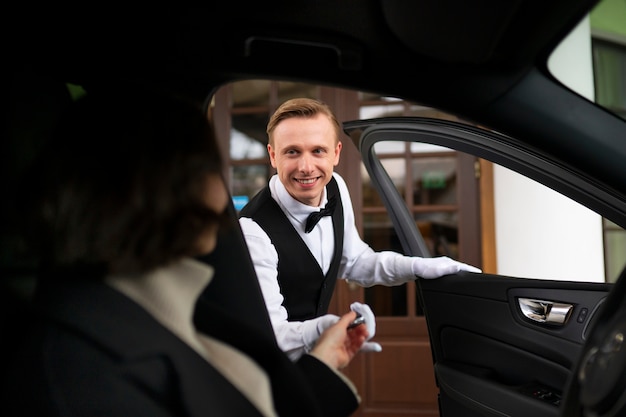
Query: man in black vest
{"points": [[301, 232]]}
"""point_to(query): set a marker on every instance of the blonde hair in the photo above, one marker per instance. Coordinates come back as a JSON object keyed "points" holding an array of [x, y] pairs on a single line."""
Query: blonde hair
{"points": [[301, 107]]}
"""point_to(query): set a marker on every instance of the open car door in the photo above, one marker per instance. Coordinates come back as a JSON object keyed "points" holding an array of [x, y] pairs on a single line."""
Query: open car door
{"points": [[501, 345]]}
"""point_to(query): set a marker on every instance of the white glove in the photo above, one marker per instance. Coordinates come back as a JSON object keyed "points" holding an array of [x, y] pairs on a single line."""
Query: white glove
{"points": [[429, 268], [312, 329], [370, 322]]}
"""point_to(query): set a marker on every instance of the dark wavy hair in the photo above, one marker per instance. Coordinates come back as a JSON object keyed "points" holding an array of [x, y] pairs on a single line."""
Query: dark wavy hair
{"points": [[121, 185]]}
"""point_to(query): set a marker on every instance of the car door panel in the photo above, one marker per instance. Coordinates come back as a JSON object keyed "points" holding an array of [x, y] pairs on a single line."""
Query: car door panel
{"points": [[489, 357], [501, 345]]}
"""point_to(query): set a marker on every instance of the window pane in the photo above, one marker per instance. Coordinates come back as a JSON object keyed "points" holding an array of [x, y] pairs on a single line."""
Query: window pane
{"points": [[380, 235], [434, 180], [427, 173], [246, 181], [243, 146], [440, 231], [379, 232]]}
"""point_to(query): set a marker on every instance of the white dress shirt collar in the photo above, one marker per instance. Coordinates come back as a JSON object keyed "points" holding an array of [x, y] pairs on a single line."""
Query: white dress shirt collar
{"points": [[297, 210]]}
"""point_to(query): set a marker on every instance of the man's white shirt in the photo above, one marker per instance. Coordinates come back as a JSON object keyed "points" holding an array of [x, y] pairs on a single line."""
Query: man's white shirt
{"points": [[359, 263]]}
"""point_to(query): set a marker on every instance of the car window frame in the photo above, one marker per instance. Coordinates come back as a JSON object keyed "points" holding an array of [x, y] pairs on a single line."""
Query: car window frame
{"points": [[487, 144]]}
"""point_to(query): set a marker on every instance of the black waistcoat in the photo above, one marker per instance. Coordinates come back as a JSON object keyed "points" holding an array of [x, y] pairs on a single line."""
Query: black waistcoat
{"points": [[305, 288]]}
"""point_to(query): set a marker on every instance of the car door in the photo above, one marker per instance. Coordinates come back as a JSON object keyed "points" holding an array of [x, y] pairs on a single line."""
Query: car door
{"points": [[501, 345]]}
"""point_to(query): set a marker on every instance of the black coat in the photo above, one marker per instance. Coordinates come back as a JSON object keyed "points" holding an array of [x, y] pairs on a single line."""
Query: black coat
{"points": [[88, 350]]}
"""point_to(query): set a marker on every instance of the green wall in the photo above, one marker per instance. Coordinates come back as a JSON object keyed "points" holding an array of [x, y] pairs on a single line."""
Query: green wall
{"points": [[610, 16]]}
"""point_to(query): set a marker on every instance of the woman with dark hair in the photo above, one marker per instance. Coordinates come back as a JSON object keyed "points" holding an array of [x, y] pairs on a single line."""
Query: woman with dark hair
{"points": [[129, 199]]}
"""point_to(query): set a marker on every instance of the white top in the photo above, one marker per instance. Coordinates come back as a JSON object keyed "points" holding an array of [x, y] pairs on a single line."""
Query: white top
{"points": [[169, 294], [359, 263]]}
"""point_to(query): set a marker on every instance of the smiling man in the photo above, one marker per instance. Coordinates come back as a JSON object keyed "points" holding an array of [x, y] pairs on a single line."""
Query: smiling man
{"points": [[304, 151], [302, 236]]}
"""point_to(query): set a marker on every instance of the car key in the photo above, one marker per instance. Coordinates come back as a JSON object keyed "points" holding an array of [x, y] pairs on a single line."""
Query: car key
{"points": [[356, 322]]}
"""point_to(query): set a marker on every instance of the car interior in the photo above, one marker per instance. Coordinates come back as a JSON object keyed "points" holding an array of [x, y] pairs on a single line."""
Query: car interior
{"points": [[500, 345]]}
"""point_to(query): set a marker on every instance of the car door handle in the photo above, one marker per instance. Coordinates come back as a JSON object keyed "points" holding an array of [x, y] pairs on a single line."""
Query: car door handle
{"points": [[548, 312]]}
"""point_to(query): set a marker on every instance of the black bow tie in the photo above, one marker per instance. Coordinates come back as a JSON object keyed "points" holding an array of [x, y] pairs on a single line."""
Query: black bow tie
{"points": [[315, 217]]}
